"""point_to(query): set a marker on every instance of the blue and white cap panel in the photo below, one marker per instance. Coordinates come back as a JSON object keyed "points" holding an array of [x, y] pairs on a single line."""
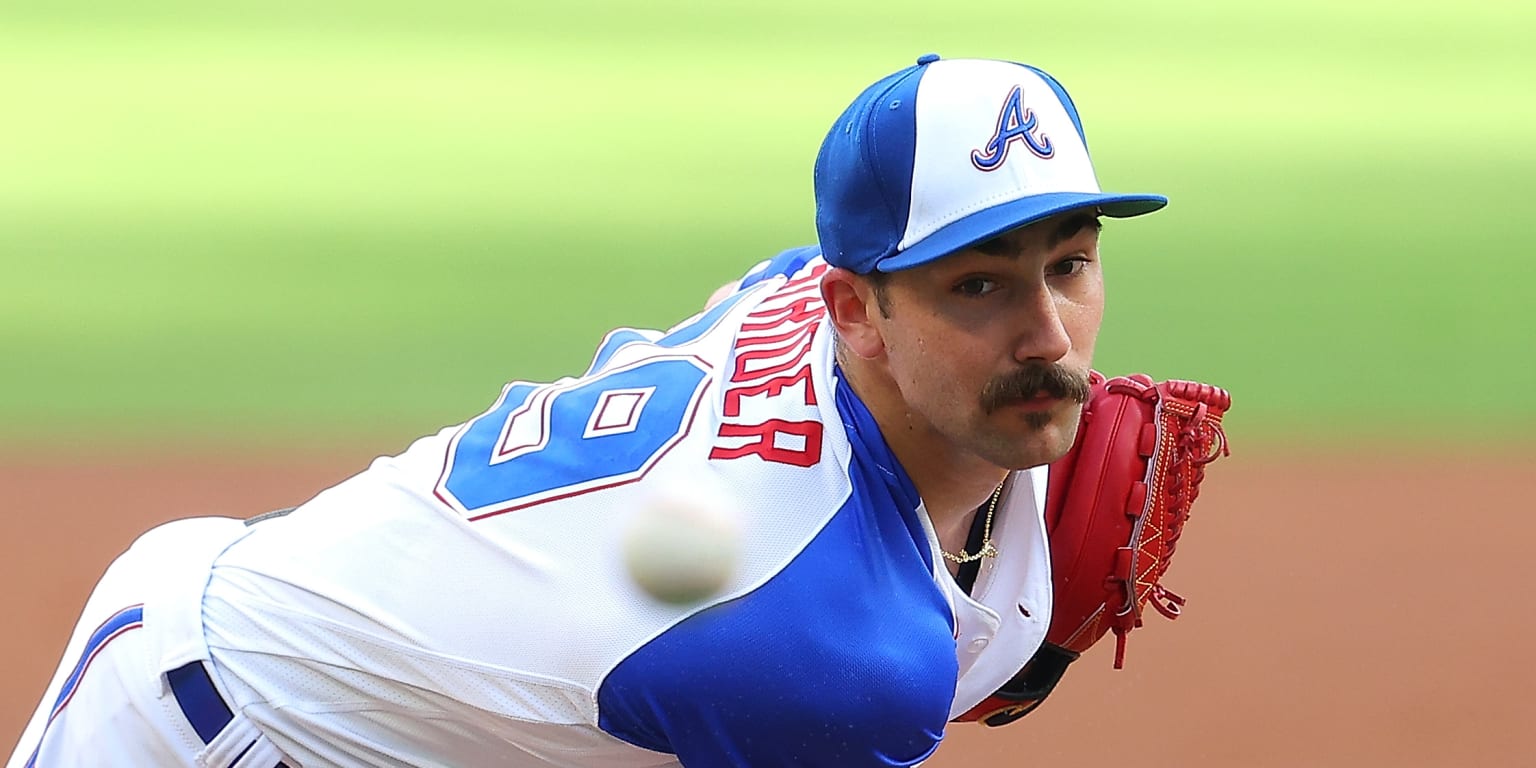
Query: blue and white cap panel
{"points": [[948, 153], [1005, 120]]}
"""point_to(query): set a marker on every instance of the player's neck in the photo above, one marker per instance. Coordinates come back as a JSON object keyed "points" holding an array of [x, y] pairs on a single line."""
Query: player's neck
{"points": [[952, 483]]}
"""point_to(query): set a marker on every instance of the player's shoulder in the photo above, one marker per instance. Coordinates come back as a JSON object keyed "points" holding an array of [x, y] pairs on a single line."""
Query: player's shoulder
{"points": [[786, 264], [748, 380], [774, 296]]}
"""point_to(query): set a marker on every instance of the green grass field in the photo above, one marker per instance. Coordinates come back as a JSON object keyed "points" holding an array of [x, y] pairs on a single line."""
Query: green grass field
{"points": [[360, 219]]}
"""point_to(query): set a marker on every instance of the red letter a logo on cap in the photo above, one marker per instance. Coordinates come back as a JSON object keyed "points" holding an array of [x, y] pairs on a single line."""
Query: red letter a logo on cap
{"points": [[1014, 122]]}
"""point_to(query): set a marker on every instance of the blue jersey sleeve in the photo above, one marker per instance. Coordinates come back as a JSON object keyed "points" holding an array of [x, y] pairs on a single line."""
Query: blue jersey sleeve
{"points": [[719, 697]]}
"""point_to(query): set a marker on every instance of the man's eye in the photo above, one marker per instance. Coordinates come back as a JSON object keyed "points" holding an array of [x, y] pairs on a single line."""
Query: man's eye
{"points": [[1068, 266], [975, 286]]}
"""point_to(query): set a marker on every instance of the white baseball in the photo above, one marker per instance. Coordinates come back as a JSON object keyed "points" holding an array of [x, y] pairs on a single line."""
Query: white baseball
{"points": [[684, 544]]}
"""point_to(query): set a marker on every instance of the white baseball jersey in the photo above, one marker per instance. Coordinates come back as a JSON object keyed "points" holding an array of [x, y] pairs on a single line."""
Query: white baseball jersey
{"points": [[465, 603]]}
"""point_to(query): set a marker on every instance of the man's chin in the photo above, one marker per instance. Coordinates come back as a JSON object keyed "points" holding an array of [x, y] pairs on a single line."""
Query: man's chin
{"points": [[1048, 439]]}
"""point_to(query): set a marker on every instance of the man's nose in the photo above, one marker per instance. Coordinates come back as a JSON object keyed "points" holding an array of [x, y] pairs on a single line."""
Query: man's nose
{"points": [[1042, 333]]}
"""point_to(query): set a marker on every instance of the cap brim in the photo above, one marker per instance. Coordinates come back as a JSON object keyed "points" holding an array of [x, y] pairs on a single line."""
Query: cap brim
{"points": [[987, 224]]}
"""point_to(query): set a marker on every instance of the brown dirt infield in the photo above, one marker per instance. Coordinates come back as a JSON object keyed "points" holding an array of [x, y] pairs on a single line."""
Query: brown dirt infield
{"points": [[1365, 610]]}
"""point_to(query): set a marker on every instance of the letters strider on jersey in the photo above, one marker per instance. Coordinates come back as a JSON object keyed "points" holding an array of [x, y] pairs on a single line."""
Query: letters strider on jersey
{"points": [[465, 603], [770, 355]]}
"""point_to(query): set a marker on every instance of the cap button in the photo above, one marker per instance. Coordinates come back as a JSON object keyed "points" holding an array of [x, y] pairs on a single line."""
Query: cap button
{"points": [[927, 58]]}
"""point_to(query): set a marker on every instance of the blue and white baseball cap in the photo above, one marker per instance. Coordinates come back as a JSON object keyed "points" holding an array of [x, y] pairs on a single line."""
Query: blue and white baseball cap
{"points": [[947, 154]]}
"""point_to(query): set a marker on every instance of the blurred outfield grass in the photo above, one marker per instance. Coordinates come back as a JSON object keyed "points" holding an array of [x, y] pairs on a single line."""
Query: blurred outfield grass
{"points": [[356, 220]]}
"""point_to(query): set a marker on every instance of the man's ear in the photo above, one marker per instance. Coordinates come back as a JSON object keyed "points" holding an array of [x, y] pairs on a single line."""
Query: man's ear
{"points": [[852, 307]]}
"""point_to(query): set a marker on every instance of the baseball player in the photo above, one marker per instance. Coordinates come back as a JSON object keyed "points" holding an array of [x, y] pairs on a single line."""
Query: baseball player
{"points": [[882, 406]]}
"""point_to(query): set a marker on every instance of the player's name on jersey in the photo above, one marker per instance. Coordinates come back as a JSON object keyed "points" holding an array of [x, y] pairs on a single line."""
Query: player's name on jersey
{"points": [[772, 375]]}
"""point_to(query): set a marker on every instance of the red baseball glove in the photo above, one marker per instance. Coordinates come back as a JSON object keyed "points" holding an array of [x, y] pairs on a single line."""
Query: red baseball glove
{"points": [[1114, 509]]}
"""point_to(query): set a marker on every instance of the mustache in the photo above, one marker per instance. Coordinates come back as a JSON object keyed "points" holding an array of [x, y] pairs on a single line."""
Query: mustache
{"points": [[1037, 379]]}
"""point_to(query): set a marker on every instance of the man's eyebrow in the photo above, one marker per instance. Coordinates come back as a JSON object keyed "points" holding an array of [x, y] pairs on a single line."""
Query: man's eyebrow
{"points": [[1003, 245]]}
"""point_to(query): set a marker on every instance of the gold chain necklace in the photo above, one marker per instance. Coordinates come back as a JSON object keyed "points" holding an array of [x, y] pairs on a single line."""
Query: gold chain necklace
{"points": [[987, 550]]}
